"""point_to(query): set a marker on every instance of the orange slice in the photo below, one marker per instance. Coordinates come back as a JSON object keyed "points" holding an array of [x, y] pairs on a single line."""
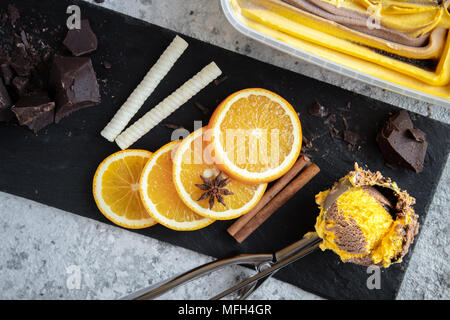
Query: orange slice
{"points": [[192, 160], [116, 189], [160, 197], [256, 135]]}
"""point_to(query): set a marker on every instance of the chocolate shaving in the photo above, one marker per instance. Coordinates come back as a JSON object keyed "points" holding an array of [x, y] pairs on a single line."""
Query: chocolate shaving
{"points": [[351, 137], [331, 119], [307, 144], [220, 80], [172, 126], [317, 110], [202, 108]]}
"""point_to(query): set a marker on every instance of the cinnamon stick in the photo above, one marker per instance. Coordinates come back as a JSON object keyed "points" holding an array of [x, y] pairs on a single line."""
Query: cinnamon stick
{"points": [[272, 192], [273, 205]]}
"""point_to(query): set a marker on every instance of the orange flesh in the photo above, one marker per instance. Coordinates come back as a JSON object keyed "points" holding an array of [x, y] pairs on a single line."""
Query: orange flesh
{"points": [[163, 194], [120, 187], [266, 127], [190, 175]]}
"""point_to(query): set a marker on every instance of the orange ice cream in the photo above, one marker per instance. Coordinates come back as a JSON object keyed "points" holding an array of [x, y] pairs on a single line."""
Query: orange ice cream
{"points": [[363, 226]]}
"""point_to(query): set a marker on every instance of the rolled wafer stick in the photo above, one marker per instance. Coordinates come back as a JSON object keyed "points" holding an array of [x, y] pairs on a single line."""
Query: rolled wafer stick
{"points": [[168, 105], [144, 89], [292, 188], [272, 192]]}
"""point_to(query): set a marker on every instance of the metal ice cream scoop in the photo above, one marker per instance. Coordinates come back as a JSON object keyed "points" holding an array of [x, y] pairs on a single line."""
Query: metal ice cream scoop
{"points": [[265, 264]]}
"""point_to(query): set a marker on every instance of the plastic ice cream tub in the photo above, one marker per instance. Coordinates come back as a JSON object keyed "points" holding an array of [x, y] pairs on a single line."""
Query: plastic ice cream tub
{"points": [[339, 62]]}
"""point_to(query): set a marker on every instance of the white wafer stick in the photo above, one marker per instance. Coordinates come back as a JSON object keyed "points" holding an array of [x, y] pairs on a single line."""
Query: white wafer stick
{"points": [[144, 89], [168, 105]]}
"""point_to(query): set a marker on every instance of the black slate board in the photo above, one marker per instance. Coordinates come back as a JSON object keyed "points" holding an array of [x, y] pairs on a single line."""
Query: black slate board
{"points": [[56, 166]]}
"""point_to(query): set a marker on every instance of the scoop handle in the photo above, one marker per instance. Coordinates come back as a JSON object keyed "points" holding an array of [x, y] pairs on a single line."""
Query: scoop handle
{"points": [[307, 247], [164, 286]]}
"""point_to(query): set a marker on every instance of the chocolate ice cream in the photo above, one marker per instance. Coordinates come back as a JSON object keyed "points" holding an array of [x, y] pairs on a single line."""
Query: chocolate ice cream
{"points": [[362, 225]]}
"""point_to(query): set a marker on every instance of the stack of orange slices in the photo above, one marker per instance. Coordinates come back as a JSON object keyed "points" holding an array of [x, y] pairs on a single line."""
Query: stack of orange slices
{"points": [[218, 172]]}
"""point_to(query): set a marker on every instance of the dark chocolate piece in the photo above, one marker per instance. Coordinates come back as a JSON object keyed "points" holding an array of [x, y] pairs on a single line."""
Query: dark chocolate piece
{"points": [[5, 104], [74, 83], [35, 111], [351, 137], [317, 110], [401, 143], [107, 64], [331, 119], [81, 41]]}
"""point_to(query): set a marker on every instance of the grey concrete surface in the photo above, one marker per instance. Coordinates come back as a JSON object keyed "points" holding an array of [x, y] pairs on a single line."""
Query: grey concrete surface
{"points": [[47, 253]]}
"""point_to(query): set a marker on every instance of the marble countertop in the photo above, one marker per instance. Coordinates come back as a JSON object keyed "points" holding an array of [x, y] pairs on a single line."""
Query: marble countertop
{"points": [[47, 253]]}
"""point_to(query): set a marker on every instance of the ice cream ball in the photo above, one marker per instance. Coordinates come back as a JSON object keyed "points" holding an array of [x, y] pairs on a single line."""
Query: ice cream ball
{"points": [[365, 226]]}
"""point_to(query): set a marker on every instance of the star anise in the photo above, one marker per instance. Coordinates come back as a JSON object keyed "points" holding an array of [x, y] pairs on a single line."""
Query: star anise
{"points": [[215, 189]]}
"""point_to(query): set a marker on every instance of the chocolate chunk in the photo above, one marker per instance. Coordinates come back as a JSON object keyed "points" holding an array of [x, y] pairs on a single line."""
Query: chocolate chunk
{"points": [[74, 83], [307, 144], [201, 107], [172, 126], [35, 111], [402, 144], [5, 104], [81, 41], [20, 85], [331, 119], [317, 110], [351, 137], [6, 73]]}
